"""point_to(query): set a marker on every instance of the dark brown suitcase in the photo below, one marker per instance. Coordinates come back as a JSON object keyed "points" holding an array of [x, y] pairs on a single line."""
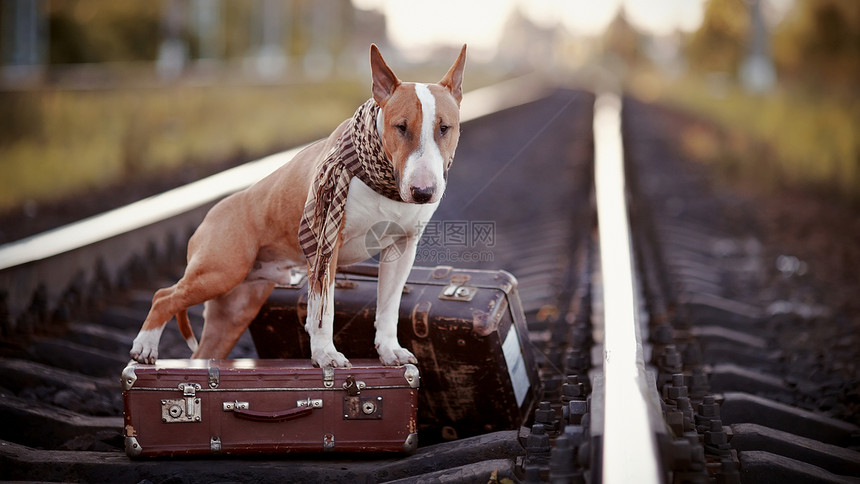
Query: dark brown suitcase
{"points": [[466, 328], [246, 406]]}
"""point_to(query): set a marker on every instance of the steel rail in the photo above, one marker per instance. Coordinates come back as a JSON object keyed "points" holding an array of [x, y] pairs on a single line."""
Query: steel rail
{"points": [[116, 234], [629, 445]]}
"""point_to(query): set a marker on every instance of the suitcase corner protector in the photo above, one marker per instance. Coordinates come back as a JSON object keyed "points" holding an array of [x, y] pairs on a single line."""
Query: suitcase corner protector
{"points": [[507, 280], [128, 375], [132, 447], [411, 443], [412, 375]]}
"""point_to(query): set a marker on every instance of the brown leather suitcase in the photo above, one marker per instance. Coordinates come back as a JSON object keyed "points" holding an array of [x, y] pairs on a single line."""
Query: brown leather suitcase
{"points": [[466, 328], [246, 406]]}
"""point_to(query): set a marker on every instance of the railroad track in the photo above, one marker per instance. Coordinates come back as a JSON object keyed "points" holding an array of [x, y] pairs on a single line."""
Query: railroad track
{"points": [[653, 368]]}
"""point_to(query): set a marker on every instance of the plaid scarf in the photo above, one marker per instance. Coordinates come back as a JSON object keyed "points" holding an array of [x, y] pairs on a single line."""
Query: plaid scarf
{"points": [[358, 152]]}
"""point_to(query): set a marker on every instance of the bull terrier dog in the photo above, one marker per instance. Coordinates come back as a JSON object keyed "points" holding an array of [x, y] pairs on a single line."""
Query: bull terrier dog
{"points": [[388, 163]]}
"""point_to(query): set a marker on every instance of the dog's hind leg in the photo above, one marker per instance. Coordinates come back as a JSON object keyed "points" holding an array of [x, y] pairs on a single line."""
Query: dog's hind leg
{"points": [[207, 276], [227, 316], [145, 346]]}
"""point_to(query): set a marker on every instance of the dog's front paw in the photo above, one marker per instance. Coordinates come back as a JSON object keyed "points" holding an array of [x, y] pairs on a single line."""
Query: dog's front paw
{"points": [[329, 356], [143, 352], [395, 355]]}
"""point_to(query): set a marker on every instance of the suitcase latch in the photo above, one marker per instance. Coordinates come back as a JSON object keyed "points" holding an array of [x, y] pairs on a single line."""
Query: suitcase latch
{"points": [[186, 409], [352, 386], [328, 376], [457, 290], [214, 377]]}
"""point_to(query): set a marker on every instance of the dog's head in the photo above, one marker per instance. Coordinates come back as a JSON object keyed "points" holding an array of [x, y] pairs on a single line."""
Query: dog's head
{"points": [[420, 126]]}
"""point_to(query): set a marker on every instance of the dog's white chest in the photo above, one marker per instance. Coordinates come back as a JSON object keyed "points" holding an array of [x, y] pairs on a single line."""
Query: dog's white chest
{"points": [[373, 222]]}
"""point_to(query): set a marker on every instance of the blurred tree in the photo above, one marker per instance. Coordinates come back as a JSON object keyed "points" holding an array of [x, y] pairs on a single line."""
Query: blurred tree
{"points": [[98, 31], [720, 43], [623, 41], [525, 44], [237, 28], [819, 43], [23, 33]]}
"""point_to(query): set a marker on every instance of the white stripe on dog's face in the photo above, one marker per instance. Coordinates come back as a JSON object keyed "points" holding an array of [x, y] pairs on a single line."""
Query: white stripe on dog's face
{"points": [[419, 127], [423, 178]]}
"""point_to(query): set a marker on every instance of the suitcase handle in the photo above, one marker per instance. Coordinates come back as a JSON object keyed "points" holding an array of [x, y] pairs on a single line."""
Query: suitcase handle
{"points": [[277, 416]]}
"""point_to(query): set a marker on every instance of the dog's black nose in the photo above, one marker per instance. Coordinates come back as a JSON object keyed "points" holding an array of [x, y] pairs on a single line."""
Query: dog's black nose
{"points": [[422, 195]]}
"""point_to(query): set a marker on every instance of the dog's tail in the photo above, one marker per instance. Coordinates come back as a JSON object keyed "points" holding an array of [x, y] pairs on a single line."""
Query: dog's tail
{"points": [[185, 329]]}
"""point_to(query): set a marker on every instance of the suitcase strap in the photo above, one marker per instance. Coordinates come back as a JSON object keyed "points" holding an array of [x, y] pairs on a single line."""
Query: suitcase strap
{"points": [[277, 416]]}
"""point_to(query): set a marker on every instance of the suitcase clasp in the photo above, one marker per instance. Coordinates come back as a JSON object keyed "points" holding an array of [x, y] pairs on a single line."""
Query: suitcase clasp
{"points": [[328, 376], [214, 377], [186, 409], [352, 386], [457, 290]]}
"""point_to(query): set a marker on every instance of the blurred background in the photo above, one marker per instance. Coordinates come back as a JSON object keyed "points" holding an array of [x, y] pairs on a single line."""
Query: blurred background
{"points": [[96, 95]]}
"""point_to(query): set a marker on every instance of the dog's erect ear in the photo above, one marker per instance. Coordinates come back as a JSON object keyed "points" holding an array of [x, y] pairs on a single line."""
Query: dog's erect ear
{"points": [[384, 80], [453, 80]]}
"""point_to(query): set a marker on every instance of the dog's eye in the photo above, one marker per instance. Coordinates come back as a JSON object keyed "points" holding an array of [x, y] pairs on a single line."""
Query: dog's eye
{"points": [[401, 127], [444, 129]]}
